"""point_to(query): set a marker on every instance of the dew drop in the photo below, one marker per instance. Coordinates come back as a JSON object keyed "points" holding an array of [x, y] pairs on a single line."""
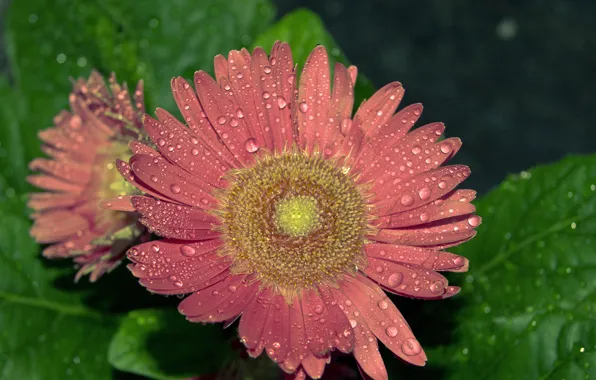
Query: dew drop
{"points": [[395, 279], [424, 217], [383, 305], [221, 120], [319, 309], [161, 142], [239, 113], [175, 188], [303, 107], [233, 122], [153, 178], [458, 261], [155, 248], [446, 147], [179, 284], [436, 287], [391, 331], [411, 347], [406, 200], [251, 145], [281, 103], [353, 323], [424, 193], [276, 345], [187, 251], [474, 221], [442, 184], [416, 150]]}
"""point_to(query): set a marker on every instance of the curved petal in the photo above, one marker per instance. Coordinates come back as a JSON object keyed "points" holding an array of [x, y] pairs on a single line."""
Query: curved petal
{"points": [[425, 258]]}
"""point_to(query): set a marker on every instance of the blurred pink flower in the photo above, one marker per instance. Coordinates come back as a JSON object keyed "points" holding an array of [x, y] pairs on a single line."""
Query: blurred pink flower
{"points": [[279, 207], [82, 147]]}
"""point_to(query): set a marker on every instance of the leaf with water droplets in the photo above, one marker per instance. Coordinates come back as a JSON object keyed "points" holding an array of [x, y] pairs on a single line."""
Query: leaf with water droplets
{"points": [[161, 344], [303, 30], [47, 333], [530, 294]]}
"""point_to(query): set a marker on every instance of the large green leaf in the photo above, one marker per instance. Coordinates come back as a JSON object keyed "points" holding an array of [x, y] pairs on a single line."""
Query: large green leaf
{"points": [[49, 41], [304, 30], [45, 333], [162, 345], [531, 291]]}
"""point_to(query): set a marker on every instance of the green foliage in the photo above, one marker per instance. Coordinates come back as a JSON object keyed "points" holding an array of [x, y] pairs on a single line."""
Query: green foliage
{"points": [[47, 333], [161, 344], [304, 30], [530, 295]]}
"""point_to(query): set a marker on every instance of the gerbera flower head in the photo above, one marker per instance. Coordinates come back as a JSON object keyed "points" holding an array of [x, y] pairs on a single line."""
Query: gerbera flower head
{"points": [[82, 147], [279, 207]]}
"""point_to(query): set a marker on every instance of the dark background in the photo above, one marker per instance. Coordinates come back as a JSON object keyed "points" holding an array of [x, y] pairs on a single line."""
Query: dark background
{"points": [[513, 79]]}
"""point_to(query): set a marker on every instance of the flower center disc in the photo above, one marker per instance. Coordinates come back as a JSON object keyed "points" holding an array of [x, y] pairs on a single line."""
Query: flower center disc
{"points": [[294, 221]]}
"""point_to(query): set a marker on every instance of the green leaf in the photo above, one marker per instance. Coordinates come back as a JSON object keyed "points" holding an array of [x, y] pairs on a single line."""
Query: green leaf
{"points": [[11, 147], [531, 291], [49, 41], [46, 333], [304, 30], [161, 344]]}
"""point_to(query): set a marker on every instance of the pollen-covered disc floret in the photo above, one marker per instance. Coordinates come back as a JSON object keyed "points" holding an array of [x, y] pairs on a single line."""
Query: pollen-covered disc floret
{"points": [[282, 208], [81, 172], [294, 220]]}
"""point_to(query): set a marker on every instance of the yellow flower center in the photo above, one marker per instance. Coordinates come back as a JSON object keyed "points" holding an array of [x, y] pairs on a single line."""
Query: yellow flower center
{"points": [[297, 216], [294, 221]]}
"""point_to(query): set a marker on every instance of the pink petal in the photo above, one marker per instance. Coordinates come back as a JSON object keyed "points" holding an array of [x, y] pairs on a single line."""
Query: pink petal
{"points": [[220, 66], [254, 317], [197, 121], [172, 215], [461, 195], [314, 366], [126, 172], [366, 349], [140, 148], [168, 231], [425, 258], [284, 76], [448, 231], [74, 245], [353, 71], [184, 278], [383, 318], [404, 195], [340, 109], [168, 252], [139, 97], [353, 140], [432, 212], [232, 307], [376, 111], [46, 201], [47, 182], [120, 203], [244, 92], [406, 280], [313, 97], [223, 115], [67, 170], [324, 325], [54, 226], [206, 300], [276, 332], [383, 140], [182, 148], [298, 342], [172, 181], [57, 154], [344, 340]]}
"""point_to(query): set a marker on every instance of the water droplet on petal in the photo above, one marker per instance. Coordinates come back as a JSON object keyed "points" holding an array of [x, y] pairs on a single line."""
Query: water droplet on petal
{"points": [[161, 142], [319, 309], [175, 189], [187, 251], [239, 113], [154, 178], [391, 331], [416, 150], [353, 323], [446, 147], [474, 221], [424, 217], [411, 347], [442, 184], [233, 122], [383, 305], [251, 145], [395, 279], [267, 70], [281, 103], [221, 120], [424, 193], [406, 200], [436, 287], [303, 107]]}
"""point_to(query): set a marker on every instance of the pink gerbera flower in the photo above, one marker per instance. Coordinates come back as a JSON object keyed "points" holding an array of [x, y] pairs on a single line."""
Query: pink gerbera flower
{"points": [[281, 208], [83, 146]]}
